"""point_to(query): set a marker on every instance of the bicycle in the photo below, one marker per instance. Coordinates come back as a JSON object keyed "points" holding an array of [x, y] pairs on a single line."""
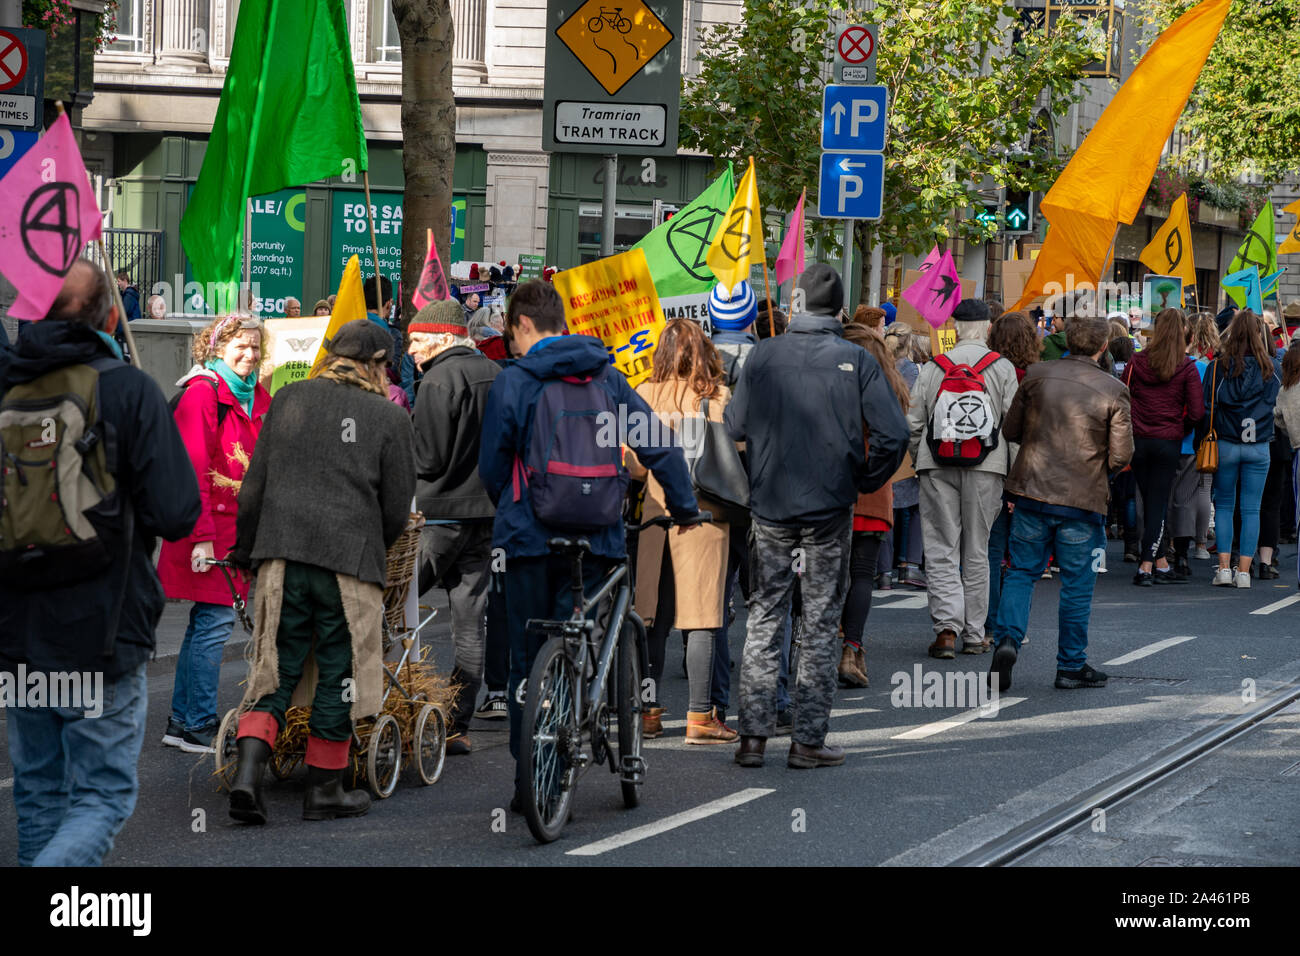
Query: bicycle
{"points": [[613, 17], [568, 697]]}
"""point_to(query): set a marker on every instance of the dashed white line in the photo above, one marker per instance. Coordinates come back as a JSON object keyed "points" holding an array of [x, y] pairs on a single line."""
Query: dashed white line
{"points": [[1278, 605], [939, 726], [898, 601], [6, 784], [1150, 649], [636, 834]]}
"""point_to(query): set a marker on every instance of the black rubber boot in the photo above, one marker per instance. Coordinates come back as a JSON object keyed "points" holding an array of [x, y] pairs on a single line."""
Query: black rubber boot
{"points": [[246, 804], [326, 799]]}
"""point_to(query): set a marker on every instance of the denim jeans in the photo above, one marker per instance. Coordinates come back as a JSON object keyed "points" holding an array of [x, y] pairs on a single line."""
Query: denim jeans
{"points": [[198, 668], [1035, 537], [998, 542], [75, 779], [1249, 462]]}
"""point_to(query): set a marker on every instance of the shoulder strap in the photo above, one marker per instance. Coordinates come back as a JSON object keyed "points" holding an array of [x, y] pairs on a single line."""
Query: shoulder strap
{"points": [[945, 364], [983, 364]]}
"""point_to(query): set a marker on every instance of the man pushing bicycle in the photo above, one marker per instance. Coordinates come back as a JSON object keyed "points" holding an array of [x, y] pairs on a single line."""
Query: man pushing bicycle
{"points": [[552, 465]]}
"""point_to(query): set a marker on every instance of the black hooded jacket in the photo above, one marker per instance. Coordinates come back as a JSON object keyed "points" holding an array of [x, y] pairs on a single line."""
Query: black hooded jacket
{"points": [[63, 629]]}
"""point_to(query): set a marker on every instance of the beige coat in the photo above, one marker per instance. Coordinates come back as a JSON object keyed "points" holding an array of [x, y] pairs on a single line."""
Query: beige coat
{"points": [[699, 556], [363, 606]]}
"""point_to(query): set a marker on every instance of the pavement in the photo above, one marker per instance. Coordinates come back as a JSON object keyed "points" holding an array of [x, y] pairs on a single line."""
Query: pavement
{"points": [[922, 785]]}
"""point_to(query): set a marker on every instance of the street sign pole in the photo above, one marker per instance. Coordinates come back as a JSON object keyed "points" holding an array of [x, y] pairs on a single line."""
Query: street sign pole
{"points": [[11, 12], [608, 208], [847, 263]]}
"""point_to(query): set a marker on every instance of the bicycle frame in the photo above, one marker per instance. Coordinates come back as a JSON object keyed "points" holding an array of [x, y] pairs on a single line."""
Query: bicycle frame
{"points": [[579, 629]]}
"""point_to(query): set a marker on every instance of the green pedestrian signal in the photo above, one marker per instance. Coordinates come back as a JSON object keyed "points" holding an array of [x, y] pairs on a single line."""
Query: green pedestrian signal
{"points": [[1019, 215]]}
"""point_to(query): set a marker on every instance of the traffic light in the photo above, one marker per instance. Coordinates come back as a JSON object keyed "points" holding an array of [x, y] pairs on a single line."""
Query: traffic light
{"points": [[1019, 213], [661, 212], [986, 214]]}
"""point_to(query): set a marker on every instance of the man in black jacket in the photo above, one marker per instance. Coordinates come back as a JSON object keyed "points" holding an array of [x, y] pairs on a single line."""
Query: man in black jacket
{"points": [[456, 544], [75, 779], [800, 406]]}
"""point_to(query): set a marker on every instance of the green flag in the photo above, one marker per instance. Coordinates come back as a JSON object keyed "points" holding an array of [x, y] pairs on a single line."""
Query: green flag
{"points": [[677, 250], [1259, 249], [288, 115]]}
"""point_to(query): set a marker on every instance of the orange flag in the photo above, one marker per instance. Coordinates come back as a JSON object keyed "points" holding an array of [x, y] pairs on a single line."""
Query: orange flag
{"points": [[1106, 182]]}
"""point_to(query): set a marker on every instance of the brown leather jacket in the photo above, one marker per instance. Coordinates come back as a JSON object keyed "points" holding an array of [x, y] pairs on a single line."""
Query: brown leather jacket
{"points": [[1072, 422]]}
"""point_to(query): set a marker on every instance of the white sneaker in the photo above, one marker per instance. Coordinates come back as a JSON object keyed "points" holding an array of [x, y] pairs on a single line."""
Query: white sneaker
{"points": [[1200, 554], [1243, 579], [1223, 577]]}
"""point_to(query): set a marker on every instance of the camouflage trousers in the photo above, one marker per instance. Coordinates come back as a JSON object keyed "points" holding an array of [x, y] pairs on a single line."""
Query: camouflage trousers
{"points": [[820, 557]]}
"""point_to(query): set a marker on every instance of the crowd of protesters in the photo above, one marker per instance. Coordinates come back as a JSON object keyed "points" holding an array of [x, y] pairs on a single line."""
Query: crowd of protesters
{"points": [[968, 475]]}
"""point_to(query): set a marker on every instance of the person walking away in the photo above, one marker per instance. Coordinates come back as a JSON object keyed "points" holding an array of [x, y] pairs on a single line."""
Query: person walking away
{"points": [[1071, 420], [89, 609], [1286, 416], [957, 408], [1165, 394], [733, 319], [1189, 500], [571, 376], [872, 519], [1244, 379], [326, 495], [903, 549], [1014, 337], [219, 414], [682, 580], [800, 406], [456, 542]]}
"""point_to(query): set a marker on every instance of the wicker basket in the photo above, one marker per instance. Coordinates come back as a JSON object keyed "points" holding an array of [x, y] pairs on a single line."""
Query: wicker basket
{"points": [[402, 559]]}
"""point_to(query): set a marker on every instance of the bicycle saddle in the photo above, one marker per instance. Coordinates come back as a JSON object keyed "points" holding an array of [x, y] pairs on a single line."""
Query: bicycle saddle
{"points": [[569, 545]]}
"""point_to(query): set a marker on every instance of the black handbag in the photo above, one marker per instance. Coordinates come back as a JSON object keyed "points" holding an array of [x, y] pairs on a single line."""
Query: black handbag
{"points": [[717, 472]]}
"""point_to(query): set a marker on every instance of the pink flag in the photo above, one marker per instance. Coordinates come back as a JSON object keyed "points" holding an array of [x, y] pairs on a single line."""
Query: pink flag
{"points": [[47, 215], [935, 295], [931, 260], [433, 281], [789, 261]]}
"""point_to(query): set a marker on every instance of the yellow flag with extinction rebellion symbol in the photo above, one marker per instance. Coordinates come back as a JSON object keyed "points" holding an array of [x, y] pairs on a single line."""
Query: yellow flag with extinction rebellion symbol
{"points": [[1292, 243], [1169, 253], [739, 240]]}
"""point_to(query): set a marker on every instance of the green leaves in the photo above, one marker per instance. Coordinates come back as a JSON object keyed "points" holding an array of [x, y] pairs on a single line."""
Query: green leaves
{"points": [[966, 85]]}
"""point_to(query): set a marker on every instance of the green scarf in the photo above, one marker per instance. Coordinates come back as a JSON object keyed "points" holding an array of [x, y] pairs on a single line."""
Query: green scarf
{"points": [[241, 388]]}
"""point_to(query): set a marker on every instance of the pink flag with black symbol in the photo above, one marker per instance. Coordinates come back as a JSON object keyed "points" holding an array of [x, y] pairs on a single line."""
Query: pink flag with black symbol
{"points": [[789, 261], [433, 281], [47, 215], [935, 295]]}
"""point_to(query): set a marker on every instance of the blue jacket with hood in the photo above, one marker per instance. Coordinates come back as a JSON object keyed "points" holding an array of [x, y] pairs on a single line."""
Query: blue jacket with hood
{"points": [[507, 423], [1242, 399]]}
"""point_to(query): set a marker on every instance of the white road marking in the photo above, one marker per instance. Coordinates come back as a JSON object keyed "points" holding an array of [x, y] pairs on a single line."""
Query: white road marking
{"points": [[843, 712], [904, 602], [6, 784], [939, 726], [1150, 649], [636, 834], [1278, 605]]}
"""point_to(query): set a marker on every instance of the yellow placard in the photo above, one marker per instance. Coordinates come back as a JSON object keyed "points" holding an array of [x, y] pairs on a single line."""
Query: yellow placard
{"points": [[614, 300]]}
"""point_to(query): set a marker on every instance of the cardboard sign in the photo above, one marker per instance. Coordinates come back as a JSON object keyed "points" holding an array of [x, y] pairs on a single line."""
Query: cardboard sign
{"points": [[1015, 275], [293, 346], [614, 300]]}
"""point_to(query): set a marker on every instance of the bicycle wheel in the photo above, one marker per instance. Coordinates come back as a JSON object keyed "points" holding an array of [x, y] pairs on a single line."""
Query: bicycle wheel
{"points": [[628, 687], [595, 25], [550, 724]]}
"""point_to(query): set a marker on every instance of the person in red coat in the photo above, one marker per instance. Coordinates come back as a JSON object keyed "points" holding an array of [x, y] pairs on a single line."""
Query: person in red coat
{"points": [[219, 416]]}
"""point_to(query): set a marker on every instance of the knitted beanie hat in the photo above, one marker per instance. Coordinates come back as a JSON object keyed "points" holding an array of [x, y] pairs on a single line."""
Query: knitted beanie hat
{"points": [[733, 313], [440, 317], [823, 290]]}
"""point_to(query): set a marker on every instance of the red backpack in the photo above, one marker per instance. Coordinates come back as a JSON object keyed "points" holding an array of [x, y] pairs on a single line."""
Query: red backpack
{"points": [[963, 426]]}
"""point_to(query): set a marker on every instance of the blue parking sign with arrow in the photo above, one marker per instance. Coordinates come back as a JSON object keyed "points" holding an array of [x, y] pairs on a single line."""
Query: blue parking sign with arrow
{"points": [[851, 185], [854, 118]]}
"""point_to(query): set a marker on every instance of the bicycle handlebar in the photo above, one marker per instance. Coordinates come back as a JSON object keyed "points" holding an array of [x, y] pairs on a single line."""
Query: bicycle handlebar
{"points": [[667, 521]]}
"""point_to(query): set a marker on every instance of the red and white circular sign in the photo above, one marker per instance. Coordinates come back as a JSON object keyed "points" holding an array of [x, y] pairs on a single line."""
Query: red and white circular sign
{"points": [[13, 61], [855, 45]]}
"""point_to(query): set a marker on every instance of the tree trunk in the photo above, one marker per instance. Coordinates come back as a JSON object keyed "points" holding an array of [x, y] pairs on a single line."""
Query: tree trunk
{"points": [[428, 135]]}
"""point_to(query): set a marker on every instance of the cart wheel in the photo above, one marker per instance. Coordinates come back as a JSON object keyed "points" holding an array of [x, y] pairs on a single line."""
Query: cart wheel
{"points": [[282, 765], [384, 756], [430, 743], [226, 751]]}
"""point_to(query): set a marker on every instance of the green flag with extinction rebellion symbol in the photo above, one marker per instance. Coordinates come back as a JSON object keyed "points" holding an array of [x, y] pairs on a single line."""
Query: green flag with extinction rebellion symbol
{"points": [[288, 115], [676, 251]]}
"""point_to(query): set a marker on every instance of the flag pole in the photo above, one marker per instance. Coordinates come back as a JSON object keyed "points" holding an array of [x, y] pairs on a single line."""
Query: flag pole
{"points": [[374, 243], [767, 286]]}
